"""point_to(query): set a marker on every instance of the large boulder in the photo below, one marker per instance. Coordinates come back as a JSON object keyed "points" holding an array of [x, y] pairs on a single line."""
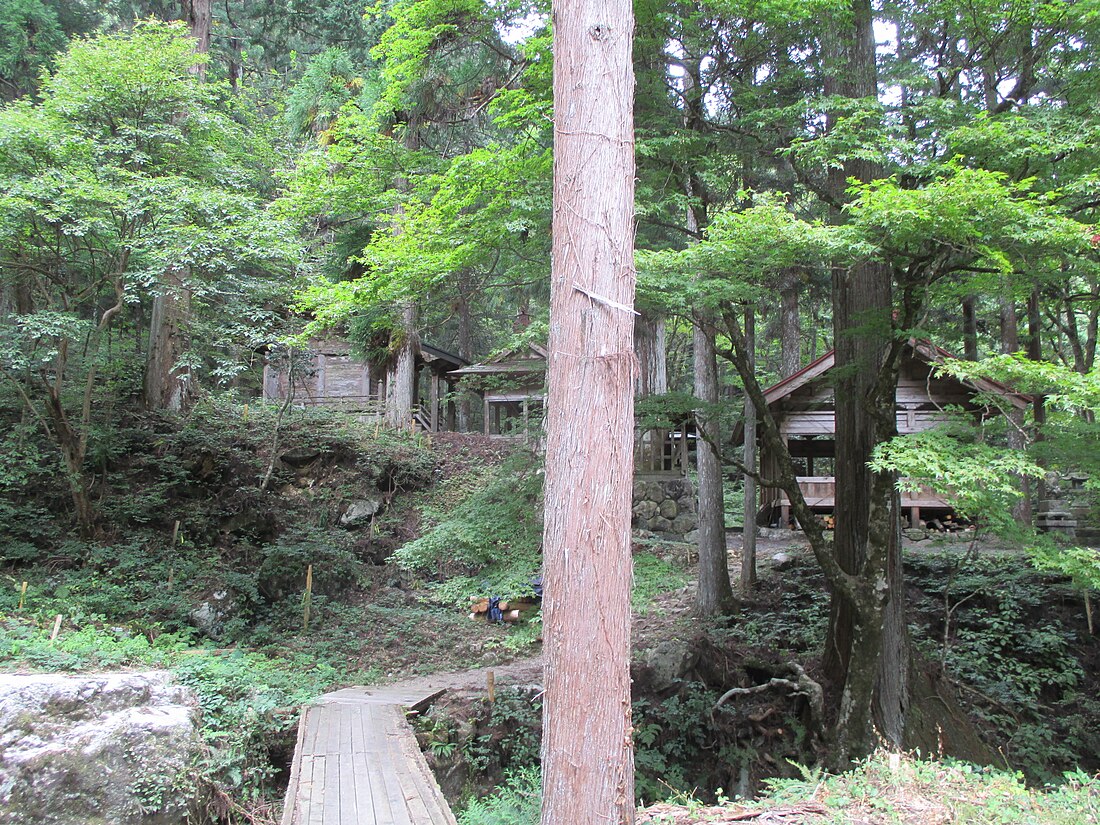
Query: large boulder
{"points": [[670, 662], [102, 749], [210, 615], [362, 510]]}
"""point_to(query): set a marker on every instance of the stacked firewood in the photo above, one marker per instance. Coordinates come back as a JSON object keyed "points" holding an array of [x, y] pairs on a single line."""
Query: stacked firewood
{"points": [[488, 609]]}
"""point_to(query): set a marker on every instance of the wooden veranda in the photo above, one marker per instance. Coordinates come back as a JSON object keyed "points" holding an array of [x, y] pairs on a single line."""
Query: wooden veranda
{"points": [[804, 409]]}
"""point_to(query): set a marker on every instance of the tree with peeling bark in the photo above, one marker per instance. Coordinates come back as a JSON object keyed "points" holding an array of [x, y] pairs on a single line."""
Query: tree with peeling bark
{"points": [[587, 756]]}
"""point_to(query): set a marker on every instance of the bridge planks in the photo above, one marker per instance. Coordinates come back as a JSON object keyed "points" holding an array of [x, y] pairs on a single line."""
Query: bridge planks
{"points": [[357, 763]]}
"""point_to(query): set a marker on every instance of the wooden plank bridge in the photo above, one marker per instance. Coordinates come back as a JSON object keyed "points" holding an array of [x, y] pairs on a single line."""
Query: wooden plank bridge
{"points": [[357, 763]]}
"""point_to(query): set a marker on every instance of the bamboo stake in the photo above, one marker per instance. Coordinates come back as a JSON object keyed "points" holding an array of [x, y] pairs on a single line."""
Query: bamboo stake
{"points": [[56, 628], [1088, 612], [491, 684], [244, 413], [22, 595], [308, 597], [171, 545]]}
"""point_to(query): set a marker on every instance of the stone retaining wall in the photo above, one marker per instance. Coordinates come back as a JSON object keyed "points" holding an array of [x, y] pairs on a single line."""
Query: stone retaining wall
{"points": [[665, 505]]}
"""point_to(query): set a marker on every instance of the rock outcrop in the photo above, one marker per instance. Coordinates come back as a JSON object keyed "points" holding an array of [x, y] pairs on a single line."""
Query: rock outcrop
{"points": [[96, 749]]}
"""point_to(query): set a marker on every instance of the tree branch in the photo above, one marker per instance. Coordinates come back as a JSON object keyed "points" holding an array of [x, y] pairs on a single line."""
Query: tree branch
{"points": [[844, 582]]}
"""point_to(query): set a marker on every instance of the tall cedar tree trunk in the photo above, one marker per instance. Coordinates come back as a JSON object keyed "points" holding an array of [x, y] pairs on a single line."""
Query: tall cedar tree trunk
{"points": [[790, 324], [587, 755], [748, 535], [465, 343], [167, 386], [867, 649], [715, 593], [401, 381], [970, 328], [199, 17], [651, 351], [1010, 343], [1035, 353], [236, 59], [15, 297]]}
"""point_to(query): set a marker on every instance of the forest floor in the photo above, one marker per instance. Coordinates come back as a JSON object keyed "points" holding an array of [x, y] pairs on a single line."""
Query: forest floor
{"points": [[390, 599], [655, 623], [898, 789], [992, 598]]}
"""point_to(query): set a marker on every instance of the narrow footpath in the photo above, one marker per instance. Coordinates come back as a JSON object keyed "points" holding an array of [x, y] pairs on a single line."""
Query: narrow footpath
{"points": [[357, 763]]}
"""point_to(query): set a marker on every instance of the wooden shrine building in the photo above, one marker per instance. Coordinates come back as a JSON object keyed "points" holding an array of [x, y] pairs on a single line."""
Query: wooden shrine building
{"points": [[512, 387], [804, 410], [333, 376]]}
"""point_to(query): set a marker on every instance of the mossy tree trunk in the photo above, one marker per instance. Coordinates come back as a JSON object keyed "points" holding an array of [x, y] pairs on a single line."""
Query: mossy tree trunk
{"points": [[867, 651]]}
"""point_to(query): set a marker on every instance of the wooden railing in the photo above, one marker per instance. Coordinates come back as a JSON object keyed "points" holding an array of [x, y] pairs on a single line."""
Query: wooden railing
{"points": [[365, 404], [422, 418], [820, 491], [820, 494], [661, 452]]}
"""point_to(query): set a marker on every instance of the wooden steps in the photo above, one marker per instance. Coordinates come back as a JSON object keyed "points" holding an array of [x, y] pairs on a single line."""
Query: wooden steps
{"points": [[357, 763]]}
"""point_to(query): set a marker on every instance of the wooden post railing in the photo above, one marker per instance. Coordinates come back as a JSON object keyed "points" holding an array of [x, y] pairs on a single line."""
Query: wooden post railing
{"points": [[661, 451]]}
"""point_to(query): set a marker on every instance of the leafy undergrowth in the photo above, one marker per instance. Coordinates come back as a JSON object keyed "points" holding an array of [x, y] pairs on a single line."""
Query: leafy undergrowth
{"points": [[187, 521], [482, 533], [515, 802], [887, 789], [890, 789], [1016, 643], [1013, 644], [1015, 640]]}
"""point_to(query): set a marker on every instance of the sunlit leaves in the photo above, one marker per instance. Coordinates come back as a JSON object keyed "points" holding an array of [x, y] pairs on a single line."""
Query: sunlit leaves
{"points": [[742, 251], [1061, 387], [981, 479], [968, 217], [131, 168]]}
